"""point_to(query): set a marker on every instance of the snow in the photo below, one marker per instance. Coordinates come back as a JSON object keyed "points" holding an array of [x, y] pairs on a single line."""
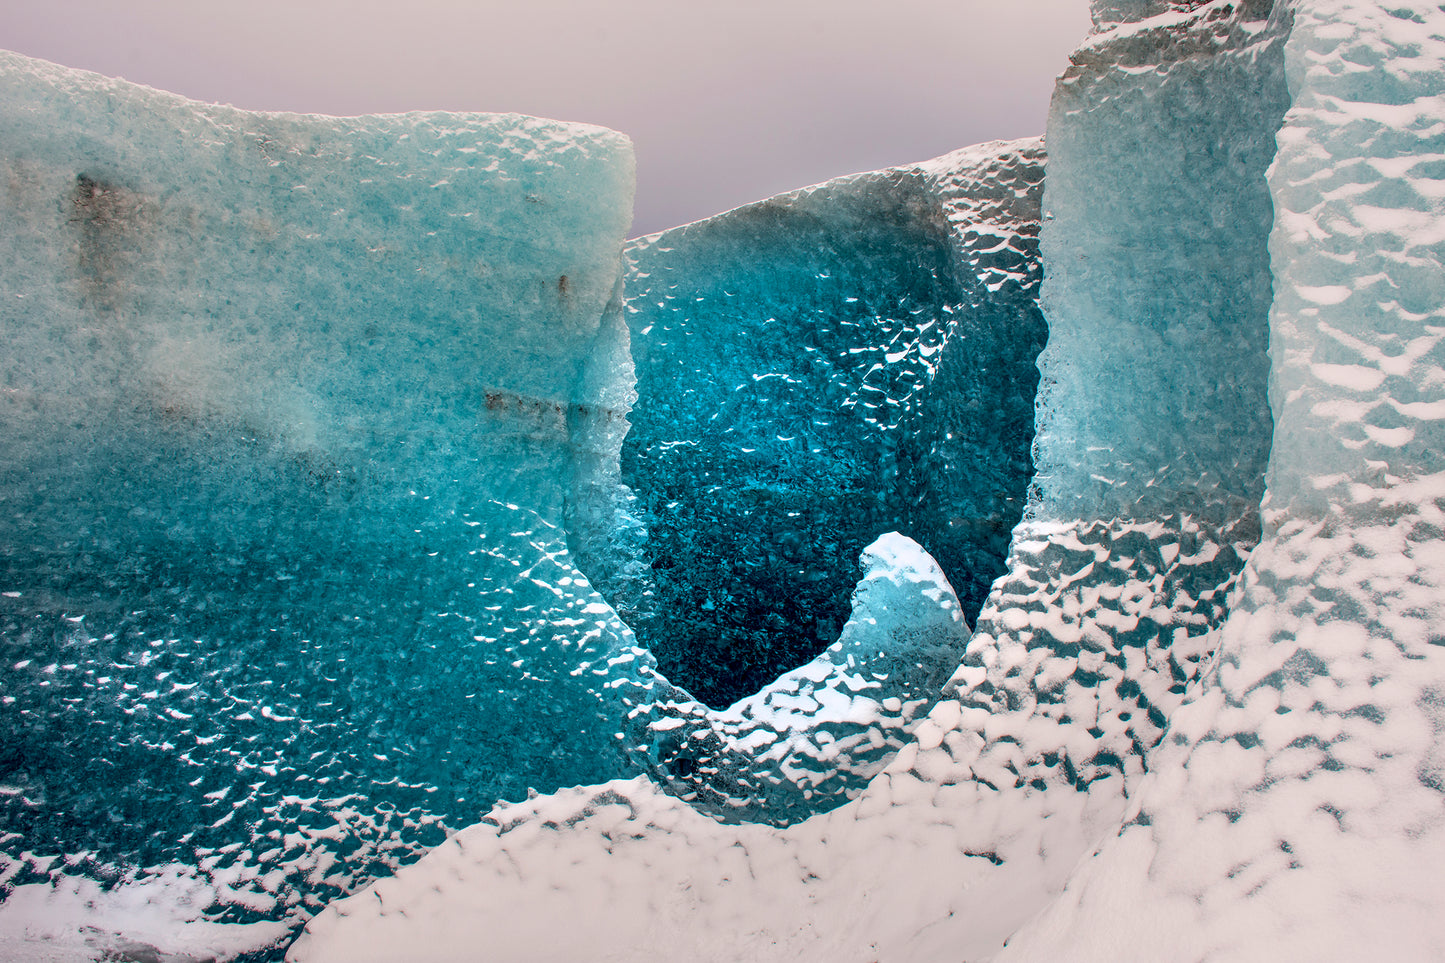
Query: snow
{"points": [[76, 919], [1295, 810]]}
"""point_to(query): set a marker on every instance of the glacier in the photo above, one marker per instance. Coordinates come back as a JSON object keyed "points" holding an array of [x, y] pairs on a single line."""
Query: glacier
{"points": [[814, 370], [876, 376], [286, 468], [358, 474], [298, 513]]}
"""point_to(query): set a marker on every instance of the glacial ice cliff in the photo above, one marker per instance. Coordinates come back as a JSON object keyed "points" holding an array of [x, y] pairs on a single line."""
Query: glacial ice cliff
{"points": [[292, 408], [1199, 712]]}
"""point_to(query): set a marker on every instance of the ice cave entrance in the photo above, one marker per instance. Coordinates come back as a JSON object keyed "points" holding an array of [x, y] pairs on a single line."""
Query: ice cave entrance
{"points": [[813, 371]]}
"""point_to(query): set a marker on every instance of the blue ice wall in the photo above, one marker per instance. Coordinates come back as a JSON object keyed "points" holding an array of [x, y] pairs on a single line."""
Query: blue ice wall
{"points": [[1154, 426], [813, 371], [1294, 810], [311, 429], [1172, 737], [291, 411], [1160, 296]]}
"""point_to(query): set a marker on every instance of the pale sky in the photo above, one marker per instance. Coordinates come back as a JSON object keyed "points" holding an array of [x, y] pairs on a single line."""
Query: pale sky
{"points": [[725, 102]]}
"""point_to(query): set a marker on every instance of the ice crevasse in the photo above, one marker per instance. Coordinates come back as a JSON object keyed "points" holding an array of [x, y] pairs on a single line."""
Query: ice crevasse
{"points": [[299, 498]]}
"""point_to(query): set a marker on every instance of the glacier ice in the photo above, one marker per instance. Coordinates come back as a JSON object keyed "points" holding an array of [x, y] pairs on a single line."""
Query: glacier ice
{"points": [[308, 425], [816, 369], [292, 407], [1199, 716], [1157, 290], [1296, 809], [752, 469]]}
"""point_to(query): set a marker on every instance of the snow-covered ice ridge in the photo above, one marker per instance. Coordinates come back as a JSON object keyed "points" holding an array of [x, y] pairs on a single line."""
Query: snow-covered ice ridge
{"points": [[1168, 742], [1295, 809]]}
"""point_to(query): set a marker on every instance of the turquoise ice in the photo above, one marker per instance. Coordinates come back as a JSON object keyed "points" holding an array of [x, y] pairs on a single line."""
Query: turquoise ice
{"points": [[1200, 716], [310, 444], [291, 411], [321, 531], [814, 370]]}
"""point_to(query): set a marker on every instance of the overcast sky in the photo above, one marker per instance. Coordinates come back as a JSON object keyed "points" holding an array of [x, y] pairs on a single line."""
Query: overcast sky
{"points": [[726, 102]]}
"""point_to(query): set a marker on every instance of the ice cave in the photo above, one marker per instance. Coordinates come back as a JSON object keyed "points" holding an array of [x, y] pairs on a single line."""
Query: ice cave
{"points": [[1034, 553]]}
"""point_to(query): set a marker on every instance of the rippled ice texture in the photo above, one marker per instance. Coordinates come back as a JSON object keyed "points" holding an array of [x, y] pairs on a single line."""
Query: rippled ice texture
{"points": [[812, 371], [1295, 810], [289, 409], [1228, 692], [1206, 691], [306, 422]]}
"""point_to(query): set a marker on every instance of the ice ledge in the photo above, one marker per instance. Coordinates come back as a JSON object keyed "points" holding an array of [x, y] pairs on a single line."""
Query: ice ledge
{"points": [[816, 736]]}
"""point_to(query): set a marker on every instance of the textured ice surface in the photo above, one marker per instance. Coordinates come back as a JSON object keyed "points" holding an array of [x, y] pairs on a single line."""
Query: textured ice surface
{"points": [[1249, 737], [306, 420], [1153, 423], [817, 734], [727, 464], [1296, 809], [812, 371], [289, 410], [1225, 751], [1158, 276]]}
